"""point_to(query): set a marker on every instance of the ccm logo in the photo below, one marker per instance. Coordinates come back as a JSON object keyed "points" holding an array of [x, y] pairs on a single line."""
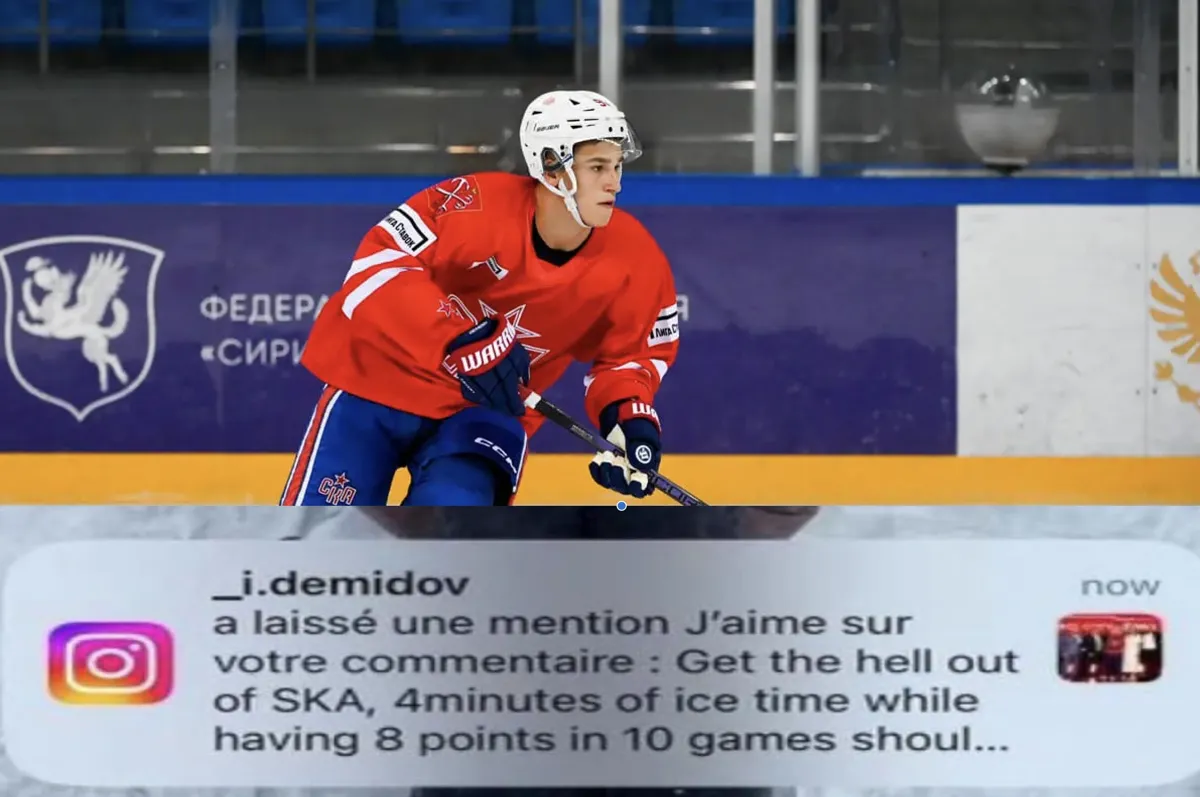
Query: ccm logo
{"points": [[475, 362], [498, 451]]}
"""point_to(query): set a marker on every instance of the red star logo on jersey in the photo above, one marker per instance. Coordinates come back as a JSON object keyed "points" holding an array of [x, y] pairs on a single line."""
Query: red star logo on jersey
{"points": [[513, 317], [450, 309]]}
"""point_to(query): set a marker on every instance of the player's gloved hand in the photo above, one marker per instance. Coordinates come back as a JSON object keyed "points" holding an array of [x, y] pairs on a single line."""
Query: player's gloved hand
{"points": [[490, 365], [632, 426]]}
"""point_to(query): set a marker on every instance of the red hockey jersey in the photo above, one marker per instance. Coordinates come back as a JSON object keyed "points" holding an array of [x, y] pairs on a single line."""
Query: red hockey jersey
{"points": [[461, 251]]}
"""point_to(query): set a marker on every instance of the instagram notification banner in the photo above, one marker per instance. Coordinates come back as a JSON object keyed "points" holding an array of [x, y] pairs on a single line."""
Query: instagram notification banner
{"points": [[816, 662]]}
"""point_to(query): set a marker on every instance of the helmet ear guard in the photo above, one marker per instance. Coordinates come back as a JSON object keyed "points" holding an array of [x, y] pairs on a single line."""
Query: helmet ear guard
{"points": [[552, 161]]}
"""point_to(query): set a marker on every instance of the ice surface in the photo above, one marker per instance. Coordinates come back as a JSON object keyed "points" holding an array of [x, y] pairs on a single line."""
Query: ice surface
{"points": [[22, 528]]}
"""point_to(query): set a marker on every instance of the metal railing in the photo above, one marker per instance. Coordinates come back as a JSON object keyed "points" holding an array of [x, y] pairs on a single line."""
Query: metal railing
{"points": [[806, 102]]}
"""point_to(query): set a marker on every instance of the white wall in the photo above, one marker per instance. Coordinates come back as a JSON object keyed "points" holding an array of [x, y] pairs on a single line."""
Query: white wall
{"points": [[1056, 344]]}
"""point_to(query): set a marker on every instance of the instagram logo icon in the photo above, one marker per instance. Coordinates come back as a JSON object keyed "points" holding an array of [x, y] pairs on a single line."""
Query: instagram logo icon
{"points": [[115, 664]]}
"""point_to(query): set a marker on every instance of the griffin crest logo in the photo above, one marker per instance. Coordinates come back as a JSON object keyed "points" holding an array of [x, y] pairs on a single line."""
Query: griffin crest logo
{"points": [[79, 320], [1175, 307]]}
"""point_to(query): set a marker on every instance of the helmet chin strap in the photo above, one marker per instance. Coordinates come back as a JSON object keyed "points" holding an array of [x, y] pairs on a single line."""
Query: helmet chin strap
{"points": [[568, 196]]}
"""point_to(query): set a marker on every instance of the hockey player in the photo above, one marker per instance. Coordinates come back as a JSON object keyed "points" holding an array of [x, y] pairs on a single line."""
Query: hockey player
{"points": [[471, 292]]}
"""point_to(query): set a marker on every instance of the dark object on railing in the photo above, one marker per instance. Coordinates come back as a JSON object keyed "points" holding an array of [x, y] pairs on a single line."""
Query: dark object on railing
{"points": [[1006, 119]]}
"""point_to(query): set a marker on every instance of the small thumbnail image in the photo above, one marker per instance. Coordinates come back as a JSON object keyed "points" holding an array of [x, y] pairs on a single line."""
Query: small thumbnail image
{"points": [[1110, 648]]}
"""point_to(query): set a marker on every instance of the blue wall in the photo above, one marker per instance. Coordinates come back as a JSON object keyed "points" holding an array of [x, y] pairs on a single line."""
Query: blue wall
{"points": [[640, 190]]}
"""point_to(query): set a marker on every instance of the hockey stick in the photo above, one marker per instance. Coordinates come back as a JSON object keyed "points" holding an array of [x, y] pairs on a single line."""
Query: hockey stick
{"points": [[560, 418]]}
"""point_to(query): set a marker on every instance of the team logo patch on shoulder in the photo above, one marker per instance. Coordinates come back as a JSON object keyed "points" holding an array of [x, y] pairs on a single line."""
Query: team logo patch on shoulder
{"points": [[454, 196], [408, 230], [666, 326]]}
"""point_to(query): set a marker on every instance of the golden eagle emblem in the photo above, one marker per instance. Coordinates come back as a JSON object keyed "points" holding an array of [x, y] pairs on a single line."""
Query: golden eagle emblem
{"points": [[1175, 306]]}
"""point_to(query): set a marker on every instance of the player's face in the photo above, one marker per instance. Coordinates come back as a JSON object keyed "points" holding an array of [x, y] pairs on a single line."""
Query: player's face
{"points": [[598, 174]]}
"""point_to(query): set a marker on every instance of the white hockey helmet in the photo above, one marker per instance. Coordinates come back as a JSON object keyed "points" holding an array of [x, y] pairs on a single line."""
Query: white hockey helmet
{"points": [[556, 122]]}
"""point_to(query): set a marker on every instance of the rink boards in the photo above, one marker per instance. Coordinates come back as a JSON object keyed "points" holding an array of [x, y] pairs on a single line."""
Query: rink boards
{"points": [[858, 341]]}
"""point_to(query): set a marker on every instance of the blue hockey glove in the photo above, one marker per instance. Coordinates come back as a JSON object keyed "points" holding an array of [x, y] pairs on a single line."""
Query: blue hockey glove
{"points": [[632, 426], [490, 365]]}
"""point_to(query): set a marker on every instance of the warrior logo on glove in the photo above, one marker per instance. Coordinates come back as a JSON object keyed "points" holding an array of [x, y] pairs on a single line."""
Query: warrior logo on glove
{"points": [[475, 361], [642, 409], [491, 365]]}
